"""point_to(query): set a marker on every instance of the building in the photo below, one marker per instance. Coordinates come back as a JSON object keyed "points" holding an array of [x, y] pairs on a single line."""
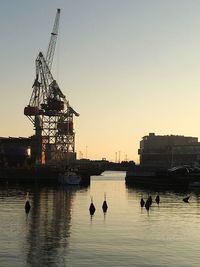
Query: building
{"points": [[168, 150], [14, 151], [22, 151]]}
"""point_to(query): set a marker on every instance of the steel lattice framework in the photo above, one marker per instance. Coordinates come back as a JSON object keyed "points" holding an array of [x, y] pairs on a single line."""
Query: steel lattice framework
{"points": [[48, 109]]}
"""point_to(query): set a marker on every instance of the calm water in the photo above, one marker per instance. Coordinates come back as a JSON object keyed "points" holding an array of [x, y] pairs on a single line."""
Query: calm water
{"points": [[59, 231]]}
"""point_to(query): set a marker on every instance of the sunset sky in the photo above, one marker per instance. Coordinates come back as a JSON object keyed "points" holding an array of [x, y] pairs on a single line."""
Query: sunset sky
{"points": [[128, 67]]}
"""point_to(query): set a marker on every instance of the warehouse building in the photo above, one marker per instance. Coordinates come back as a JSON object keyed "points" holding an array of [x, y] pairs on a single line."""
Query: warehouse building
{"points": [[169, 150]]}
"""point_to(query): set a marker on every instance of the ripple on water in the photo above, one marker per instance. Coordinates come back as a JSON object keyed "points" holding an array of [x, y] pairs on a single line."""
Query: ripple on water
{"points": [[59, 230]]}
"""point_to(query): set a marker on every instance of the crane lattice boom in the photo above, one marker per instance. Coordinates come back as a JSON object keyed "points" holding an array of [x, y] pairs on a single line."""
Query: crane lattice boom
{"points": [[48, 109], [53, 39]]}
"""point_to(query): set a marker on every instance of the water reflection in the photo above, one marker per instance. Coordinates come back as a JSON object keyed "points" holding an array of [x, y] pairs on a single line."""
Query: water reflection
{"points": [[171, 201], [159, 188], [49, 228], [47, 225], [58, 231]]}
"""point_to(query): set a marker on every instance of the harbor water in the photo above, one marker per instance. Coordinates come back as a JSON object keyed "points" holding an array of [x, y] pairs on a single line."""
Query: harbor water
{"points": [[59, 230]]}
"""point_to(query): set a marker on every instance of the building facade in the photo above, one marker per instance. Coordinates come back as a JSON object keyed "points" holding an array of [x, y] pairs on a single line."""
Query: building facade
{"points": [[169, 150], [14, 151]]}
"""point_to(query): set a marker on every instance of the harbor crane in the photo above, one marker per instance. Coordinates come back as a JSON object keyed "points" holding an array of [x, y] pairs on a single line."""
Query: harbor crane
{"points": [[49, 111]]}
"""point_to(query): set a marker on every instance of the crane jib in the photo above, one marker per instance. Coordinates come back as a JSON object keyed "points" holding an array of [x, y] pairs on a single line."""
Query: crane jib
{"points": [[49, 111]]}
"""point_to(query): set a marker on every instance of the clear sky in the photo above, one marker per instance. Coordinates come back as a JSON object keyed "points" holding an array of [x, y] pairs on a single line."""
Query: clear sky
{"points": [[128, 67]]}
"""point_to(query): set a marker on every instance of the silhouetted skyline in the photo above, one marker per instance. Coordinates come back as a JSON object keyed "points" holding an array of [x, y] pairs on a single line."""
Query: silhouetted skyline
{"points": [[128, 67]]}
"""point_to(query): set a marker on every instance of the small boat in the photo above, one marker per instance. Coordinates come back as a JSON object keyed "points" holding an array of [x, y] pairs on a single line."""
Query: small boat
{"points": [[69, 178]]}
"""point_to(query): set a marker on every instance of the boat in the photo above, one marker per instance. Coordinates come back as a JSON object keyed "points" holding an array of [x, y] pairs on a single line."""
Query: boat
{"points": [[69, 178], [176, 176]]}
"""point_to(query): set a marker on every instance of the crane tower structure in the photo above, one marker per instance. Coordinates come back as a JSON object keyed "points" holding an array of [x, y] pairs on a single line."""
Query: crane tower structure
{"points": [[49, 110]]}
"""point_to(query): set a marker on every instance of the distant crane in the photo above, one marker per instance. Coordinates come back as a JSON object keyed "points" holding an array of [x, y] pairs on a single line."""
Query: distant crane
{"points": [[49, 111]]}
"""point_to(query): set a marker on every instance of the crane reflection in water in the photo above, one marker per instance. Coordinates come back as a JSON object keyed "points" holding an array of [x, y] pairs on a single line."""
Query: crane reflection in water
{"points": [[49, 225]]}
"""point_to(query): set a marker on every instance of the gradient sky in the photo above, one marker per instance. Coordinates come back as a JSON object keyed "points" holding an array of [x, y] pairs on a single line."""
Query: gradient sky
{"points": [[128, 67]]}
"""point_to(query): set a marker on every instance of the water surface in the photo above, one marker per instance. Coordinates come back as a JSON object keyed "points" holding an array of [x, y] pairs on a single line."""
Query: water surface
{"points": [[59, 231]]}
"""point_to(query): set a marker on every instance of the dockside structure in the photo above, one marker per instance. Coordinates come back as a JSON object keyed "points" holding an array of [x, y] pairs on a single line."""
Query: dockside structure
{"points": [[14, 151], [169, 150]]}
